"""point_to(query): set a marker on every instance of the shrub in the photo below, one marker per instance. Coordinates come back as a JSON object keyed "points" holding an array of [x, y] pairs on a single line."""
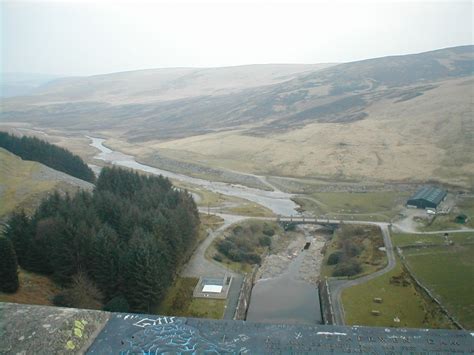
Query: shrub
{"points": [[217, 257], [224, 246], [334, 258], [347, 268], [289, 226], [82, 294], [117, 304], [237, 230], [236, 255], [62, 300], [351, 249], [253, 258], [268, 231], [265, 241]]}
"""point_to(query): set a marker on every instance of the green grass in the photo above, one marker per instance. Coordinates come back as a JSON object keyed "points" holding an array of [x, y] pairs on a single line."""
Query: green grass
{"points": [[466, 206], [448, 271], [179, 302], [374, 206], [402, 239], [404, 302], [249, 209]]}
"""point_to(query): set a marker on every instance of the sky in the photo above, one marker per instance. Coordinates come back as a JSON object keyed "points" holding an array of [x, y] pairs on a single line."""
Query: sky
{"points": [[95, 37]]}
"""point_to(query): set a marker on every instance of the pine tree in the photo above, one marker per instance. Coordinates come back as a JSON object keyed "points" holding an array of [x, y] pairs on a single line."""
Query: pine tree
{"points": [[8, 267], [19, 233]]}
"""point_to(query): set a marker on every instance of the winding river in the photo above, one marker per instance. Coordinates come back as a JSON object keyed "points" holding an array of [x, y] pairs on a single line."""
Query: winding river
{"points": [[277, 201]]}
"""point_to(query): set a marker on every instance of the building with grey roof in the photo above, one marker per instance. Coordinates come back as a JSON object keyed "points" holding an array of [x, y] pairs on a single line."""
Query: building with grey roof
{"points": [[427, 197]]}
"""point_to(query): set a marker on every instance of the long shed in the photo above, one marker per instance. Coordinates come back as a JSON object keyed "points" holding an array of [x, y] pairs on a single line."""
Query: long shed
{"points": [[427, 197]]}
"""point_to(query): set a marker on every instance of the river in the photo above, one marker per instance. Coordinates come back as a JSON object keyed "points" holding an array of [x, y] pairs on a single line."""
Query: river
{"points": [[285, 299], [277, 201]]}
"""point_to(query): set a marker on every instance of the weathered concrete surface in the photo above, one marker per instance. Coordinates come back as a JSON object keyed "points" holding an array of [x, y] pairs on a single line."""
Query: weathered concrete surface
{"points": [[26, 329], [47, 330]]}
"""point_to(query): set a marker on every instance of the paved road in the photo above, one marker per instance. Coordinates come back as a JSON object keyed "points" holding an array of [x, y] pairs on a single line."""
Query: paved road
{"points": [[198, 265], [411, 231]]}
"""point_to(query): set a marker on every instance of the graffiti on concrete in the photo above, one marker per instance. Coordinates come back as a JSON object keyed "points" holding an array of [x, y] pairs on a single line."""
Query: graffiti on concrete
{"points": [[168, 334], [153, 334]]}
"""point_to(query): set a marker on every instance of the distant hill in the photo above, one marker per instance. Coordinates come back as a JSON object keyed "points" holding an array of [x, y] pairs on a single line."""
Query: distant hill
{"points": [[394, 118], [157, 85], [19, 84], [24, 183]]}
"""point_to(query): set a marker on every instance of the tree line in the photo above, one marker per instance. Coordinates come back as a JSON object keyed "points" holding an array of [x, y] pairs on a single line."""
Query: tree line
{"points": [[120, 245], [32, 148]]}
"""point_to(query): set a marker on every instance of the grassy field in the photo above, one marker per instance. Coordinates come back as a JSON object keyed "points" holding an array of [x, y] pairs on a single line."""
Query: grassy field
{"points": [[18, 188], [24, 183], [403, 239], [370, 258], [179, 302], [374, 206], [34, 289], [210, 221], [403, 303], [448, 271], [249, 209]]}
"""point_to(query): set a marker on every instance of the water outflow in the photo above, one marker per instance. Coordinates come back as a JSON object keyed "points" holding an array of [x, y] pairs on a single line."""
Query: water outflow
{"points": [[285, 299], [277, 201]]}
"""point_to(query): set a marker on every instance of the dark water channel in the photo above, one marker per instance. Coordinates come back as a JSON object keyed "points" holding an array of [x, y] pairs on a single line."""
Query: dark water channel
{"points": [[285, 299]]}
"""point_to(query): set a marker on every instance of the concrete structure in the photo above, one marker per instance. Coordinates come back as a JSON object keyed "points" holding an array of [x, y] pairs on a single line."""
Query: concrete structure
{"points": [[427, 197], [29, 329], [213, 287]]}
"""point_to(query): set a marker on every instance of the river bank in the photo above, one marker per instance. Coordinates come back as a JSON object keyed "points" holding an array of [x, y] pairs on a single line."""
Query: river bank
{"points": [[278, 202]]}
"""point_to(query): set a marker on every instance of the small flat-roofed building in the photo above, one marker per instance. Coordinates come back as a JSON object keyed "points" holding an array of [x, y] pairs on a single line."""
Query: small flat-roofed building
{"points": [[427, 197], [212, 287]]}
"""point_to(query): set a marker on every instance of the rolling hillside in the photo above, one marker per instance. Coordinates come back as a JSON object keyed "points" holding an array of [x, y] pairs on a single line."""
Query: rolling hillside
{"points": [[401, 118], [24, 183]]}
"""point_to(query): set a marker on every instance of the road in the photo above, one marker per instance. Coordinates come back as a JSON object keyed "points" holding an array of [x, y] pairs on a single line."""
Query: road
{"points": [[337, 286], [200, 266]]}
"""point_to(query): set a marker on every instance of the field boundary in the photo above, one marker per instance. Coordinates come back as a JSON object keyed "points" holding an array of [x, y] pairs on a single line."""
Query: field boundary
{"points": [[426, 290]]}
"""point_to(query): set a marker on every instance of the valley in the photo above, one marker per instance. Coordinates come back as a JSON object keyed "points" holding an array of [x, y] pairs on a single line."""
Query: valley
{"points": [[393, 119], [316, 145]]}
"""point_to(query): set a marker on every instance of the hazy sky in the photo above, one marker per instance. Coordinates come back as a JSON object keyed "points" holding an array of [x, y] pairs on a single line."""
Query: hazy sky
{"points": [[83, 38]]}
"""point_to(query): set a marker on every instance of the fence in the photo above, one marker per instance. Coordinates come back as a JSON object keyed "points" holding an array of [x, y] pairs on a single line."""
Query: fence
{"points": [[426, 290]]}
